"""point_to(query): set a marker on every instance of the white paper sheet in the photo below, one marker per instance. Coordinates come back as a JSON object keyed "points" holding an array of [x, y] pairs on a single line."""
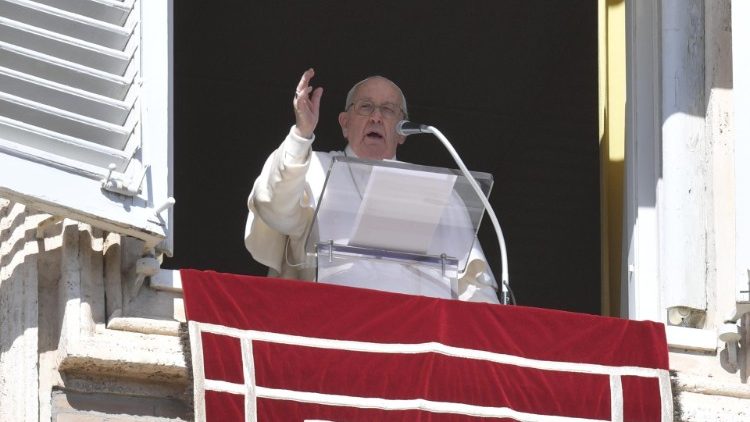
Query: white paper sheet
{"points": [[401, 209]]}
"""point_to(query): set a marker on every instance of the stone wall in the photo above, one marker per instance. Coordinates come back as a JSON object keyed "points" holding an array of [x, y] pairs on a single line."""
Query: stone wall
{"points": [[78, 341]]}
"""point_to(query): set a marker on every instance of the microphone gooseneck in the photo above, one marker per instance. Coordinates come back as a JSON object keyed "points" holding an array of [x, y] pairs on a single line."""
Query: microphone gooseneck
{"points": [[405, 128]]}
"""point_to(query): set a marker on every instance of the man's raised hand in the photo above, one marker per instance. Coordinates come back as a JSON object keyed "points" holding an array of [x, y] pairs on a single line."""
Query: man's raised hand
{"points": [[306, 105]]}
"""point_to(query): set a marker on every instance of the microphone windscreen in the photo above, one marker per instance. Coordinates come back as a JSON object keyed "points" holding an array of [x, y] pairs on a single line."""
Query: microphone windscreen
{"points": [[405, 128]]}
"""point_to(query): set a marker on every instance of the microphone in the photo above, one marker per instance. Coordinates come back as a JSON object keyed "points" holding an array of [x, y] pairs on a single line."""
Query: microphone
{"points": [[406, 128]]}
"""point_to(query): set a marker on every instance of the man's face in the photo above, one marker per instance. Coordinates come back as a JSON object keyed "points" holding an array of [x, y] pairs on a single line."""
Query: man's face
{"points": [[373, 136]]}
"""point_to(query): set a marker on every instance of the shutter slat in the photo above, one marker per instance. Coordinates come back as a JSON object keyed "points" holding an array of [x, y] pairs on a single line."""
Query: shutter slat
{"points": [[64, 97], [66, 23], [67, 48], [35, 139], [110, 11], [62, 121], [65, 72]]}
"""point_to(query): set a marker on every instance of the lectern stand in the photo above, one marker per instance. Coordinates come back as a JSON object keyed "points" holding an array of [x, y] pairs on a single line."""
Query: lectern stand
{"points": [[384, 224]]}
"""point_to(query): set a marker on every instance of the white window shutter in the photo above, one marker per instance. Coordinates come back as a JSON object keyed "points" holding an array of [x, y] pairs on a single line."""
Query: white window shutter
{"points": [[741, 86], [86, 111]]}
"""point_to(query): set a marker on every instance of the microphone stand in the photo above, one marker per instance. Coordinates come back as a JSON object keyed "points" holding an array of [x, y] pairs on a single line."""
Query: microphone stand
{"points": [[506, 295]]}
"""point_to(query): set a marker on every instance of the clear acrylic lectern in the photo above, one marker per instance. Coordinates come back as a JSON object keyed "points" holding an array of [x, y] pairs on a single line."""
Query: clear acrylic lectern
{"points": [[381, 224]]}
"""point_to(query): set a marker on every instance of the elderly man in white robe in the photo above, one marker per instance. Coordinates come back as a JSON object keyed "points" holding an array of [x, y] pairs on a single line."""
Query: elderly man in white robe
{"points": [[283, 199]]}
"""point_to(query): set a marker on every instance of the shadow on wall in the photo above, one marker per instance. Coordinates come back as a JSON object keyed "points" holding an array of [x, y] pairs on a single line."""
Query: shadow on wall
{"points": [[29, 290]]}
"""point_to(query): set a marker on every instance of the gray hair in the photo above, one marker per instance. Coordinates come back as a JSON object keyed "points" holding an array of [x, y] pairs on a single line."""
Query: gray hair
{"points": [[350, 94]]}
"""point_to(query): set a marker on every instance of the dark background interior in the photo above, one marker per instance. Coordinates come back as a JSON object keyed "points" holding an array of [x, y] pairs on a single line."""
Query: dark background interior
{"points": [[512, 84]]}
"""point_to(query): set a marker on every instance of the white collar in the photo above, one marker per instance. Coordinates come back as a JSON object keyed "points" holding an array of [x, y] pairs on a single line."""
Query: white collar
{"points": [[349, 152]]}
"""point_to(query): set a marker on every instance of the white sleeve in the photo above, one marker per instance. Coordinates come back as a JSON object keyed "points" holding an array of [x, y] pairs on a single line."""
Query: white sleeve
{"points": [[275, 205], [477, 283]]}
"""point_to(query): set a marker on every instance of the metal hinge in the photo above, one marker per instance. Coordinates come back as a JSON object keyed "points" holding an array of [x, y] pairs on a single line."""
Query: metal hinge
{"points": [[133, 188]]}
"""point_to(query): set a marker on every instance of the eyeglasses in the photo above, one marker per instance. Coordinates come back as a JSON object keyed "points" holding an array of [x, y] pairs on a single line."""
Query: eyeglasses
{"points": [[367, 107]]}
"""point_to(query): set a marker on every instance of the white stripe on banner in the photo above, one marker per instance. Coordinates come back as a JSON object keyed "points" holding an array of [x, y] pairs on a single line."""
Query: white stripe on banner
{"points": [[432, 347], [413, 404], [248, 370], [617, 414], [226, 387]]}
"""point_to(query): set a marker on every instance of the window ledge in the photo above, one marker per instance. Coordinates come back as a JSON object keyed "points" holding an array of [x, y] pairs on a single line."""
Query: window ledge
{"points": [[692, 339], [167, 280]]}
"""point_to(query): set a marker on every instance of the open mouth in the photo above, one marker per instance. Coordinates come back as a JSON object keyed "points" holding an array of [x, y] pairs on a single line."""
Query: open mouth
{"points": [[375, 135]]}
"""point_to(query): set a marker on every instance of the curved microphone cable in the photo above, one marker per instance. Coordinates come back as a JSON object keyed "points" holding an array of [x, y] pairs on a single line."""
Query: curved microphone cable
{"points": [[405, 128]]}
